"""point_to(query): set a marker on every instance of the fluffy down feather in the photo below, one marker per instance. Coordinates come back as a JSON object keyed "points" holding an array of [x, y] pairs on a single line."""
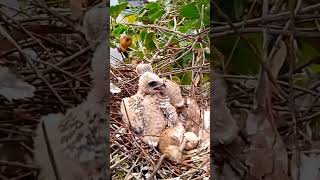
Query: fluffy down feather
{"points": [[142, 68], [95, 24], [146, 112], [173, 91], [77, 140]]}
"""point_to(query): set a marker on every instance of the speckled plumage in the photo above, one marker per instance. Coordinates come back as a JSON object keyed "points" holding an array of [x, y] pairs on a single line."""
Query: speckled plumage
{"points": [[78, 137], [173, 92], [95, 23], [148, 111], [77, 141]]}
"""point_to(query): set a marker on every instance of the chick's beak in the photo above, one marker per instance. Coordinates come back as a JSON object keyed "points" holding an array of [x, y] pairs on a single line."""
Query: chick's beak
{"points": [[160, 87]]}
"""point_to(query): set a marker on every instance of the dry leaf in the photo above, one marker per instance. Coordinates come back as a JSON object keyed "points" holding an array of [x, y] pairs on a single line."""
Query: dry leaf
{"points": [[278, 59], [114, 89], [11, 87]]}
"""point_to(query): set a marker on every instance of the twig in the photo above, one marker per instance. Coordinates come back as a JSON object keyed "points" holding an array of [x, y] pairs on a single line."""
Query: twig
{"points": [[17, 164], [7, 35], [158, 27], [268, 18]]}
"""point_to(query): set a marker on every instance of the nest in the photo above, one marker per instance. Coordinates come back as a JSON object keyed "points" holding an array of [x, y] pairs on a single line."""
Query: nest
{"points": [[131, 158]]}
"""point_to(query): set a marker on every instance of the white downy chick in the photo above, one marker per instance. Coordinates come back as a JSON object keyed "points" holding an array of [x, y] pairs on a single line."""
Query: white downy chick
{"points": [[143, 111], [142, 68], [172, 91]]}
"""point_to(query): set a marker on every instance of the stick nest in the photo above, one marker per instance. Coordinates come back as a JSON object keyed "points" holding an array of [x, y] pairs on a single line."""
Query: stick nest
{"points": [[130, 157]]}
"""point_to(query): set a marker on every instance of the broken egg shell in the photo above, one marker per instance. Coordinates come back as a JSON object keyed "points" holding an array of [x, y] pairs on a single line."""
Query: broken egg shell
{"points": [[192, 140]]}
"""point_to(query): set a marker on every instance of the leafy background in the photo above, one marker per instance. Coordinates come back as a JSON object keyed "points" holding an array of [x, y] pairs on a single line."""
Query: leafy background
{"points": [[239, 48], [148, 40]]}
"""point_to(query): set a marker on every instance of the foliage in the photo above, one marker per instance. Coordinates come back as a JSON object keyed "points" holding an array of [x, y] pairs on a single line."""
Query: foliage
{"points": [[161, 27]]}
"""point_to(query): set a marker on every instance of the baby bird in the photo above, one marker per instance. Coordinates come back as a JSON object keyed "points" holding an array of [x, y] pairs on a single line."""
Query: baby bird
{"points": [[172, 143], [172, 91], [143, 112], [142, 68]]}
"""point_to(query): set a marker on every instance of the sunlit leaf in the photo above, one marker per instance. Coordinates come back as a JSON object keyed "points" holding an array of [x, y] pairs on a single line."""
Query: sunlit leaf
{"points": [[153, 6], [155, 11], [119, 29], [134, 38], [176, 79], [132, 18], [156, 15], [185, 27], [117, 9]]}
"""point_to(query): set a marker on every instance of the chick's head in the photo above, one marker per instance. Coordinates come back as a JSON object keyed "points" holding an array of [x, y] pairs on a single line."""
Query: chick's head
{"points": [[150, 83]]}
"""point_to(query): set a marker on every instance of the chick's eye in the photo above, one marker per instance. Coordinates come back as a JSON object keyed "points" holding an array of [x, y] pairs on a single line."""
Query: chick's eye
{"points": [[152, 83]]}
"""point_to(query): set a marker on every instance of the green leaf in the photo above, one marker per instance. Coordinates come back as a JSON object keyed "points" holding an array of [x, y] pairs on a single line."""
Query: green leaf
{"points": [[186, 78], [185, 59], [315, 68], [130, 32], [143, 34], [300, 80], [206, 78], [185, 27], [238, 8], [308, 51], [190, 11], [206, 16], [155, 11], [148, 42], [176, 79], [243, 60], [117, 9], [190, 25], [161, 44], [156, 15], [153, 6], [140, 54], [119, 29]]}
